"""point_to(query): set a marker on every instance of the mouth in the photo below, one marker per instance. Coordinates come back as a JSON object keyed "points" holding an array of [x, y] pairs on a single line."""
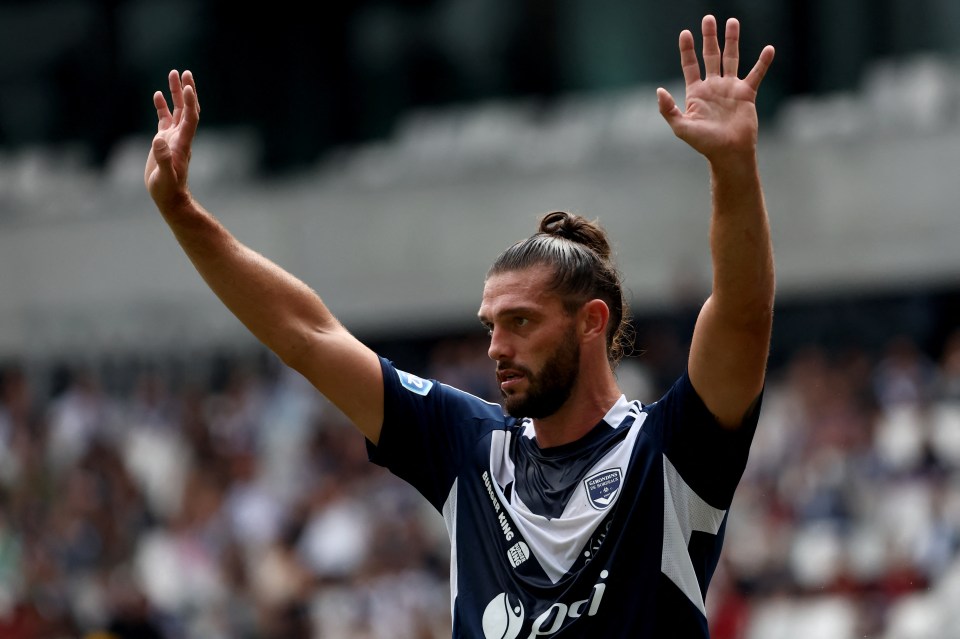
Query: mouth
{"points": [[509, 379]]}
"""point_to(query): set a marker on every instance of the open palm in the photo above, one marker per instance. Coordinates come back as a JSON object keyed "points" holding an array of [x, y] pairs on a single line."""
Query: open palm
{"points": [[165, 174], [720, 115]]}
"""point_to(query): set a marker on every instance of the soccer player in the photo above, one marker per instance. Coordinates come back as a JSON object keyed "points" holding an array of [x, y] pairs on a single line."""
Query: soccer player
{"points": [[580, 513]]}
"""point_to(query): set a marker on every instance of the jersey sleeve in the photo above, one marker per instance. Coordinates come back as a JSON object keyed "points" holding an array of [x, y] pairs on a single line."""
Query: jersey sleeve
{"points": [[427, 429], [709, 457]]}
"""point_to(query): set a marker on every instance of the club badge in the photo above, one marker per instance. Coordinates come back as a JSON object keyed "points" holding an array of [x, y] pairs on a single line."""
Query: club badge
{"points": [[603, 487]]}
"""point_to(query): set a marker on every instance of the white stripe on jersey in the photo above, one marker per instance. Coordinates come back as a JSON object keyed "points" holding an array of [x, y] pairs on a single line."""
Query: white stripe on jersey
{"points": [[683, 512], [557, 543], [450, 518]]}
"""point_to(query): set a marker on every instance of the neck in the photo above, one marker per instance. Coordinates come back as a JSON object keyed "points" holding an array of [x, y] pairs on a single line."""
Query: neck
{"points": [[586, 406]]}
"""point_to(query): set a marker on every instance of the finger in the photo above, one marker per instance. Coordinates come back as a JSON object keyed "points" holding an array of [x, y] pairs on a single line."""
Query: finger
{"points": [[731, 48], [759, 70], [164, 119], [189, 80], [669, 109], [711, 47], [190, 118], [176, 94], [688, 58]]}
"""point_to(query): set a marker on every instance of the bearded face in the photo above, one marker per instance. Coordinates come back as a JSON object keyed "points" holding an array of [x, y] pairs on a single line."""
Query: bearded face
{"points": [[550, 387]]}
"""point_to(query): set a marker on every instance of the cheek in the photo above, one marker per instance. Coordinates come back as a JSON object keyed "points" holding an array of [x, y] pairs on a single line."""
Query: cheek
{"points": [[539, 353]]}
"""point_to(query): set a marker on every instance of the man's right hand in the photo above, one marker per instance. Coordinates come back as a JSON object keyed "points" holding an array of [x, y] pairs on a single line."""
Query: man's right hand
{"points": [[165, 175], [285, 314]]}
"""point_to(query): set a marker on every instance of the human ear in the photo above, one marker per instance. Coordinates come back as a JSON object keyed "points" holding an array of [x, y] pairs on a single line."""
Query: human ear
{"points": [[594, 317]]}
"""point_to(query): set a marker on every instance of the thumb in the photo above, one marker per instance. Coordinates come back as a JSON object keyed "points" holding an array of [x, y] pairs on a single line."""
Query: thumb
{"points": [[668, 106], [162, 154], [166, 172], [163, 182]]}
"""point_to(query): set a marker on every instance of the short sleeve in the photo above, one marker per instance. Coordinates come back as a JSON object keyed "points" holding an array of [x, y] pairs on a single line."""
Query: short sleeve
{"points": [[427, 430], [709, 457]]}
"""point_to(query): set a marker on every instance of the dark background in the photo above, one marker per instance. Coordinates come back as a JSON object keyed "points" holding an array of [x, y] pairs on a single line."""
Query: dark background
{"points": [[309, 77]]}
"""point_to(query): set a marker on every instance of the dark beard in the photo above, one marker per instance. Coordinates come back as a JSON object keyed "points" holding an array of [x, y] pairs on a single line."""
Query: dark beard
{"points": [[551, 387]]}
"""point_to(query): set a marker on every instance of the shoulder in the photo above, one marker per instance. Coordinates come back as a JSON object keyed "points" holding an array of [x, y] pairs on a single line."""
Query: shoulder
{"points": [[708, 456], [681, 402], [407, 389]]}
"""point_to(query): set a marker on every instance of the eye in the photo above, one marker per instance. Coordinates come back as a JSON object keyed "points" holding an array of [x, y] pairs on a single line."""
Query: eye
{"points": [[487, 328], [520, 322]]}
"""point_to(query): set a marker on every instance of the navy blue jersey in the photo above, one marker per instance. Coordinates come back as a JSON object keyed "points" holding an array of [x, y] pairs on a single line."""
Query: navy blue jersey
{"points": [[614, 535]]}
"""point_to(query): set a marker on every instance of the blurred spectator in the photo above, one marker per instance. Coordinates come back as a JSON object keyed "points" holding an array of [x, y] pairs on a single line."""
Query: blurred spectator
{"points": [[245, 508]]}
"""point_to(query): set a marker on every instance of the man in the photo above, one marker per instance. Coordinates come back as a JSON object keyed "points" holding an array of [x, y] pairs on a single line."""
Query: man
{"points": [[579, 513]]}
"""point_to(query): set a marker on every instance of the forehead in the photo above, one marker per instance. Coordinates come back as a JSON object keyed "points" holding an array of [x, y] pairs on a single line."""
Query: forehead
{"points": [[523, 288]]}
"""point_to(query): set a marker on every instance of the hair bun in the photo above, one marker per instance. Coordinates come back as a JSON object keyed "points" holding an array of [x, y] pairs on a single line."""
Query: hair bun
{"points": [[577, 229]]}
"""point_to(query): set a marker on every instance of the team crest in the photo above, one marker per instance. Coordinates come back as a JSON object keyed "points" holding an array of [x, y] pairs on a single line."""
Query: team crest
{"points": [[603, 487]]}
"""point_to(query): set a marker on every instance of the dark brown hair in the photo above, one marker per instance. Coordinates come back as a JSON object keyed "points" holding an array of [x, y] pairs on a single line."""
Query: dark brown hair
{"points": [[579, 252]]}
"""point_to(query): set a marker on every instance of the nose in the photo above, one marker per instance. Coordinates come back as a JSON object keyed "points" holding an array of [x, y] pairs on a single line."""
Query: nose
{"points": [[499, 345]]}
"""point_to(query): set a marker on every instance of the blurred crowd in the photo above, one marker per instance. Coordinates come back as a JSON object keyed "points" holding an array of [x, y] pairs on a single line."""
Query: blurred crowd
{"points": [[847, 521], [222, 497]]}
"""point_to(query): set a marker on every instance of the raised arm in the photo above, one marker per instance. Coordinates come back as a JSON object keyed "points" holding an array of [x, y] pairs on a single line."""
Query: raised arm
{"points": [[728, 354], [279, 309]]}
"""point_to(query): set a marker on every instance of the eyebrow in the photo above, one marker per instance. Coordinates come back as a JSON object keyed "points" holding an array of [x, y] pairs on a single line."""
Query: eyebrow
{"points": [[507, 312]]}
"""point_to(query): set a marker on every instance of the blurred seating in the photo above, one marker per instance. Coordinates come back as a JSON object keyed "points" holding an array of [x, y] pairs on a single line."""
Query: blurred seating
{"points": [[235, 502]]}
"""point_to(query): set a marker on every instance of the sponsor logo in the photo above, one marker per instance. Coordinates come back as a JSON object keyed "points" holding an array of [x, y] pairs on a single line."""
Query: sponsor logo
{"points": [[595, 542], [503, 617], [603, 487], [414, 384], [501, 516], [518, 553]]}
